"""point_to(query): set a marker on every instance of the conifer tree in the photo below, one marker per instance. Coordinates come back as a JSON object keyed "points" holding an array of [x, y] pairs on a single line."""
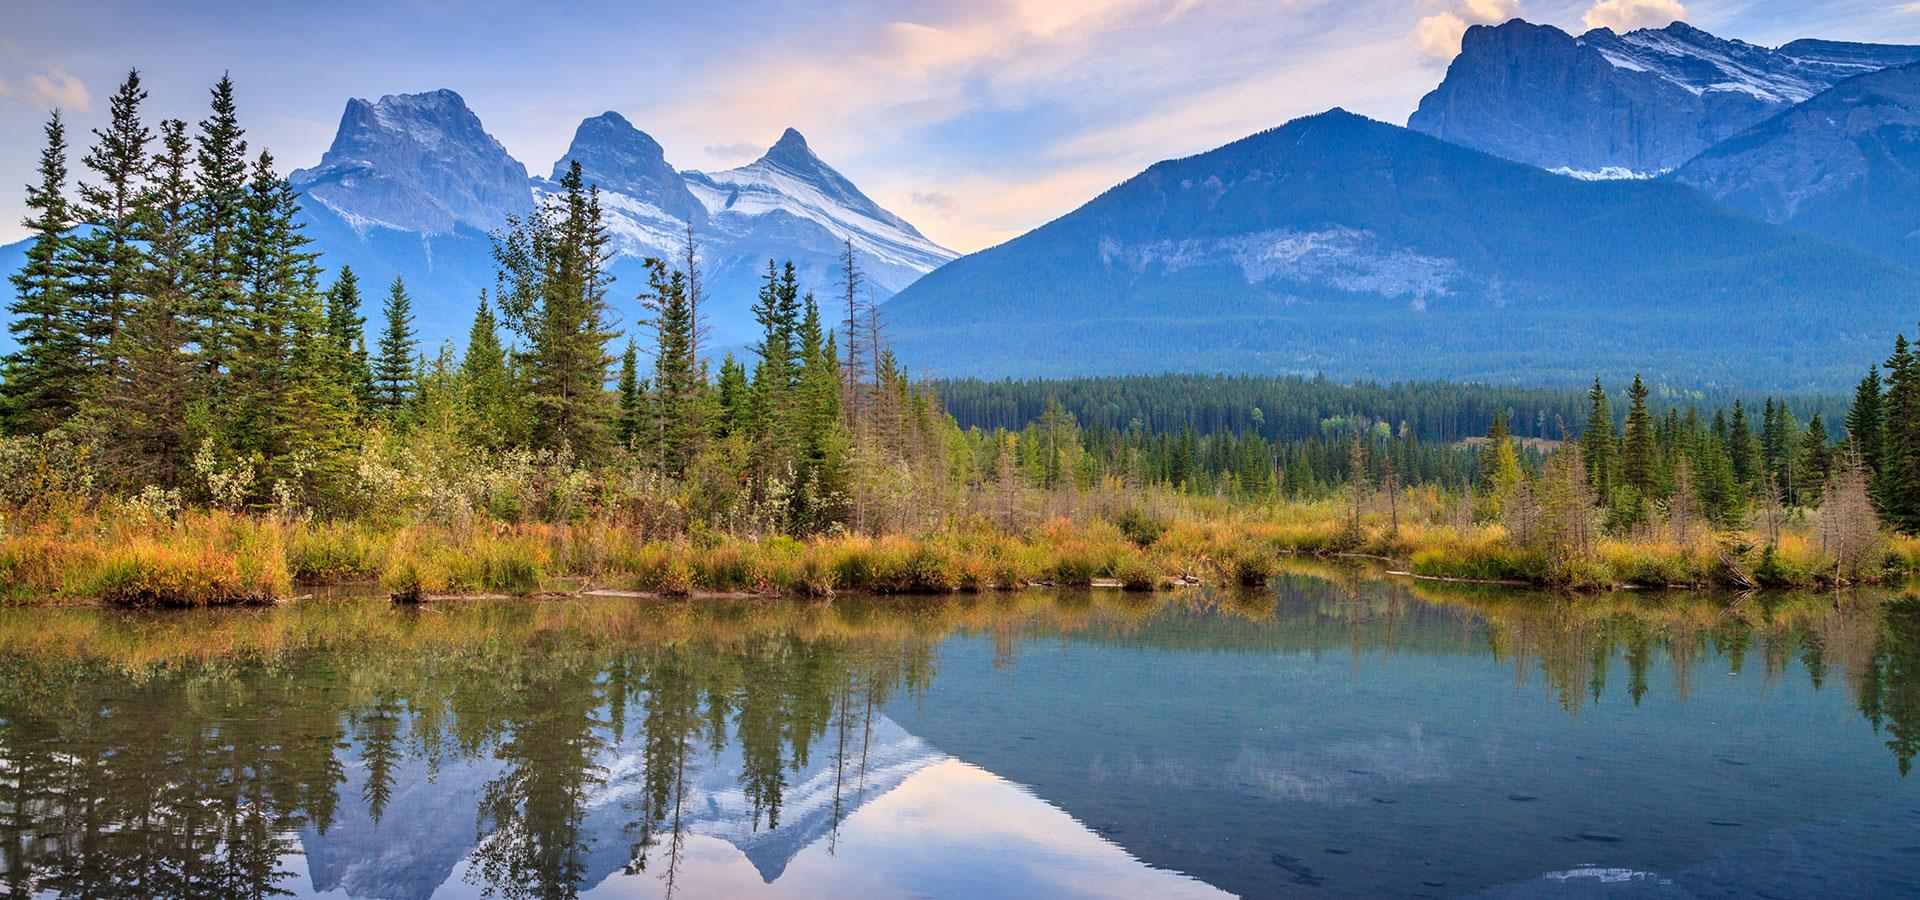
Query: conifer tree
{"points": [[347, 337], [488, 382], [45, 374], [393, 371], [1817, 457], [1596, 443], [733, 400], [554, 287], [1743, 457], [220, 215], [1637, 446], [1864, 422], [1897, 487], [278, 282], [632, 402], [109, 256], [676, 421], [151, 386]]}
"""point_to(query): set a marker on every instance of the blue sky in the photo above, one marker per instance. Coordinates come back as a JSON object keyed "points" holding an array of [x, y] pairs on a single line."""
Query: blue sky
{"points": [[975, 120]]}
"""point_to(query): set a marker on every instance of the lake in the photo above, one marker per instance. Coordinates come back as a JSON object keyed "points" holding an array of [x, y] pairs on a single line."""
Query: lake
{"points": [[1335, 735]]}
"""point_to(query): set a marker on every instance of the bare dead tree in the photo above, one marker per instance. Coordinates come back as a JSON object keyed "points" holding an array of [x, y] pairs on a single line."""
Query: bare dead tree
{"points": [[855, 370]]}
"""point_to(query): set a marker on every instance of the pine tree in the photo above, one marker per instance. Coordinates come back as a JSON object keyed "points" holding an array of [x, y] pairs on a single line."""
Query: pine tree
{"points": [[1637, 446], [1865, 420], [1897, 486], [776, 377], [109, 256], [393, 371], [675, 421], [1596, 443], [824, 442], [347, 338], [1817, 461], [151, 386], [1743, 457], [491, 395], [45, 374], [632, 402], [554, 294], [220, 216]]}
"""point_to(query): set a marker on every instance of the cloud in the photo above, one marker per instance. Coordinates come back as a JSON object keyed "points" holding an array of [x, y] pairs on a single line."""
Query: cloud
{"points": [[1627, 15], [731, 152], [940, 202], [51, 88], [1439, 34]]}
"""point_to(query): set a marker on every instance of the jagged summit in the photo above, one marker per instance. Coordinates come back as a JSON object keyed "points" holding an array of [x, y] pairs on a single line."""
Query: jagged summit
{"points": [[416, 162], [1638, 103], [620, 158]]}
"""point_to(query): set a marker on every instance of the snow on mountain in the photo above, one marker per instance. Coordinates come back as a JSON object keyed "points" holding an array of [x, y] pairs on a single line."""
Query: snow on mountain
{"points": [[1643, 102], [416, 162], [789, 179]]}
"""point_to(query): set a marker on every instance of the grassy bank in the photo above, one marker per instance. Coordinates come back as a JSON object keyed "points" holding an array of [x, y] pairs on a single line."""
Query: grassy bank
{"points": [[210, 558]]}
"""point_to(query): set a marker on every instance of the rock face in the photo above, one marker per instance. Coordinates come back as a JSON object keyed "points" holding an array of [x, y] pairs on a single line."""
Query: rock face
{"points": [[413, 184], [1845, 164], [1620, 105], [1345, 246], [416, 162]]}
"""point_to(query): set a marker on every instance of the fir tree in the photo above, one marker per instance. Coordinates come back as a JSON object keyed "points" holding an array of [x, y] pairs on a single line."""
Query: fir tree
{"points": [[1897, 486], [1596, 443], [1864, 421], [488, 382], [109, 256], [632, 403], [1637, 446], [393, 371], [347, 339], [676, 423], [554, 287], [45, 374], [220, 215]]}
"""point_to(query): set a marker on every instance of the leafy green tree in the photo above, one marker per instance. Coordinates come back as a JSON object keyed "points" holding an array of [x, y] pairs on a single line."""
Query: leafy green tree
{"points": [[45, 374], [394, 385]]}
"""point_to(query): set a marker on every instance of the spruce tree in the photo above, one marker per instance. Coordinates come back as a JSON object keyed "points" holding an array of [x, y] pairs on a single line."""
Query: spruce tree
{"points": [[1743, 457], [632, 404], [1817, 460], [151, 386], [488, 383], [347, 339], [109, 255], [393, 371], [1897, 486], [554, 294], [1637, 446], [676, 424], [46, 372], [220, 215], [1596, 443], [1864, 421]]}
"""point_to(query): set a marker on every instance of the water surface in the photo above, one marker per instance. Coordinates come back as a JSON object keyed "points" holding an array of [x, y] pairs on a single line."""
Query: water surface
{"points": [[1333, 736]]}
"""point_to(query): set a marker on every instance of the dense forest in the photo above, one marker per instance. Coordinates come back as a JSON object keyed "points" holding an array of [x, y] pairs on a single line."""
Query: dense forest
{"points": [[180, 348]]}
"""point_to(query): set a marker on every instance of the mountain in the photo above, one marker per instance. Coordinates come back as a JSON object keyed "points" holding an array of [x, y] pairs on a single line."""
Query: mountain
{"points": [[787, 205], [1845, 164], [1341, 245], [1635, 104]]}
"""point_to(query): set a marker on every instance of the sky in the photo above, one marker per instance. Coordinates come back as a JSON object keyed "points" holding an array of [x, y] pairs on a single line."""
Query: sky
{"points": [[976, 120]]}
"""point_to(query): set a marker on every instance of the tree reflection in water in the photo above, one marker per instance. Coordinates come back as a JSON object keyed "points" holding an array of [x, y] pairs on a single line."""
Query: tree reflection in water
{"points": [[183, 755]]}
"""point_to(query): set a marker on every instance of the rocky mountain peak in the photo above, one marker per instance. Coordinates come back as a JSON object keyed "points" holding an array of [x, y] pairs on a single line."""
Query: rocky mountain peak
{"points": [[618, 157]]}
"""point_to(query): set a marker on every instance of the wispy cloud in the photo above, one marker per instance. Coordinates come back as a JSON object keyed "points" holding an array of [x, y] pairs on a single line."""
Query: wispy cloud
{"points": [[50, 88], [940, 202], [737, 152]]}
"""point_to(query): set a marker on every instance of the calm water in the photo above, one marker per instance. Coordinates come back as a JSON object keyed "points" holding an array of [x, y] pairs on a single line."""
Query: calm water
{"points": [[1332, 737]]}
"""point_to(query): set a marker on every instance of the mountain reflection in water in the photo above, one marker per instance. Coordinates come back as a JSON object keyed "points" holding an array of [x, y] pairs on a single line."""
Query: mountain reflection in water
{"points": [[1335, 735]]}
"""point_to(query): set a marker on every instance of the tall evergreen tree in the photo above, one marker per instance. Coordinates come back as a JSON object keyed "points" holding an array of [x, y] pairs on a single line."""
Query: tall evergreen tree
{"points": [[393, 370], [347, 339], [554, 294], [676, 423], [1638, 445], [220, 215], [1597, 442], [1897, 486], [490, 391], [110, 257], [151, 386], [1864, 421], [45, 374], [629, 425]]}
